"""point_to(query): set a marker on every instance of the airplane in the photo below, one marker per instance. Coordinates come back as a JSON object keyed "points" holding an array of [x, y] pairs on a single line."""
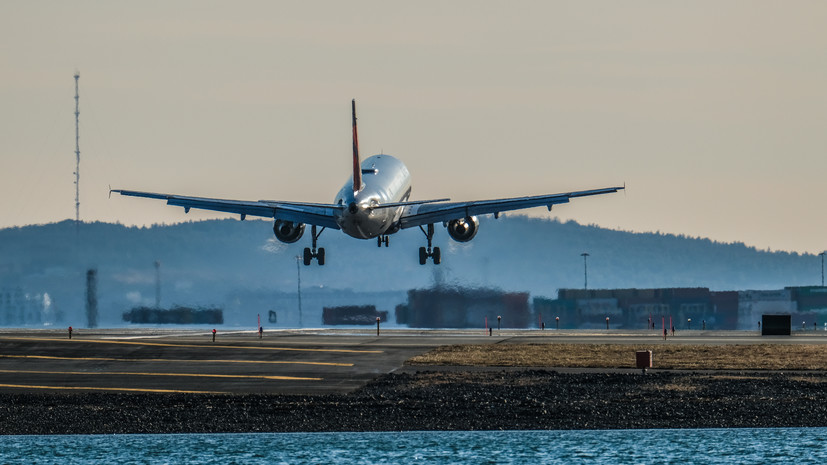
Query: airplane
{"points": [[373, 203]]}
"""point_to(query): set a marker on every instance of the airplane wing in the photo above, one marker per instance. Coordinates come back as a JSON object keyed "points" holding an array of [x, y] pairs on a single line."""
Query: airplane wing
{"points": [[309, 213], [418, 215]]}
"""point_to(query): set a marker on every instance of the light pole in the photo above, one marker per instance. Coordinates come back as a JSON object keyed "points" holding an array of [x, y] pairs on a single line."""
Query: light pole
{"points": [[157, 284], [585, 255], [299, 286], [822, 269]]}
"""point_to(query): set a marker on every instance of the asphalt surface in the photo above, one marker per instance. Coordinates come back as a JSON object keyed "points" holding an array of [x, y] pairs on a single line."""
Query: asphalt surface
{"points": [[320, 361]]}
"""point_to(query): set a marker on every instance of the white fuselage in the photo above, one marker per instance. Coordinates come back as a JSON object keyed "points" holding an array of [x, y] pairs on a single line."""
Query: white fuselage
{"points": [[385, 180]]}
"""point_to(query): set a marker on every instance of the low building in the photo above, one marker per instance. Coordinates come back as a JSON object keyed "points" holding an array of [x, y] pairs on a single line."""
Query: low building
{"points": [[174, 316], [683, 308], [353, 315], [443, 307]]}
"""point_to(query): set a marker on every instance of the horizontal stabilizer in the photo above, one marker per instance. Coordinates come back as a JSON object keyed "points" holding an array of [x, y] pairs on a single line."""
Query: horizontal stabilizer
{"points": [[406, 204]]}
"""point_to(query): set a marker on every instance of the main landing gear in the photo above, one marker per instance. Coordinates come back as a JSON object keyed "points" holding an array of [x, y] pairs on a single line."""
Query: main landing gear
{"points": [[310, 252], [433, 253], [382, 240]]}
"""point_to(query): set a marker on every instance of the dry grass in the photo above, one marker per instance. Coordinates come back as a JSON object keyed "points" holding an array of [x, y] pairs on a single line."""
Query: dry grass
{"points": [[804, 379], [684, 387], [675, 357]]}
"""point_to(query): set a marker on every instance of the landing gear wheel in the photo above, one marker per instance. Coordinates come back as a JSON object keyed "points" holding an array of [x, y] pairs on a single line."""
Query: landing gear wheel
{"points": [[424, 252], [311, 252], [378, 241]]}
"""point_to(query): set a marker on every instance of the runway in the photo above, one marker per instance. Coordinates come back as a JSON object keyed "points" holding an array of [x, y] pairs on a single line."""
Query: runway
{"points": [[321, 361]]}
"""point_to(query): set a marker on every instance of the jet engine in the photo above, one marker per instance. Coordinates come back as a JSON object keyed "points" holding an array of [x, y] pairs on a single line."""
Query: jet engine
{"points": [[288, 231], [463, 229]]}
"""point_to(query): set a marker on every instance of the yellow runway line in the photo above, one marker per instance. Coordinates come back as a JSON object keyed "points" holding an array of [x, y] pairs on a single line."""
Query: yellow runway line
{"points": [[191, 375], [105, 359], [160, 344], [79, 388]]}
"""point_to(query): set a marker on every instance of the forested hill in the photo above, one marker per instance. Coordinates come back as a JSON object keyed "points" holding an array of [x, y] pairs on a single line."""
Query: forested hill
{"points": [[204, 262]]}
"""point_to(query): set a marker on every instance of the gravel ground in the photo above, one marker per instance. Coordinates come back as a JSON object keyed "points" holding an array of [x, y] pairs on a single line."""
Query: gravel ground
{"points": [[447, 400]]}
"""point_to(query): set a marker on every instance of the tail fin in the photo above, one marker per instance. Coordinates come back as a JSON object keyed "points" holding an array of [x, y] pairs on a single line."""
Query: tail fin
{"points": [[357, 165]]}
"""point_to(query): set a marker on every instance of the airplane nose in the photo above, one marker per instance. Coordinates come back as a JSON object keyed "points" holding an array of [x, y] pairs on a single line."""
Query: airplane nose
{"points": [[352, 208]]}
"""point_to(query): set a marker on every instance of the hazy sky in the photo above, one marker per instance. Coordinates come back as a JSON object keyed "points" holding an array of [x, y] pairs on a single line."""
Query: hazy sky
{"points": [[713, 113]]}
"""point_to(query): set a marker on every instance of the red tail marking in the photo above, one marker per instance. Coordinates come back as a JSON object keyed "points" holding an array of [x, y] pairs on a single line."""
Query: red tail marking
{"points": [[357, 168]]}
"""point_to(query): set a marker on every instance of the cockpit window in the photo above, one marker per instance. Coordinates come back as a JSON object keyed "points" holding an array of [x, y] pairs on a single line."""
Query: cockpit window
{"points": [[370, 171]]}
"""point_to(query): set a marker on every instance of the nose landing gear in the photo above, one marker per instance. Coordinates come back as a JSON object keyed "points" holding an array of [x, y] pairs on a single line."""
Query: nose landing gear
{"points": [[311, 252], [429, 252], [380, 240]]}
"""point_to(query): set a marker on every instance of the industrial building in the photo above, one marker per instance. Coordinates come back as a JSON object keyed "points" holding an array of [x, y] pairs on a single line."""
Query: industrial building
{"points": [[21, 308], [451, 307], [353, 315], [683, 308]]}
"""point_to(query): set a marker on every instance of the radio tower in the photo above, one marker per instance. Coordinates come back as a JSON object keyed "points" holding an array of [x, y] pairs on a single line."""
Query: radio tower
{"points": [[77, 154]]}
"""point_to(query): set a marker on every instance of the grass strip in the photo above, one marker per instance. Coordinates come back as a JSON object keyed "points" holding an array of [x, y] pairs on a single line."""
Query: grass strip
{"points": [[672, 357]]}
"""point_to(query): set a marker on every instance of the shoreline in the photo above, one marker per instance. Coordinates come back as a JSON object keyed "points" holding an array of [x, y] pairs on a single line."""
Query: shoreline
{"points": [[440, 399]]}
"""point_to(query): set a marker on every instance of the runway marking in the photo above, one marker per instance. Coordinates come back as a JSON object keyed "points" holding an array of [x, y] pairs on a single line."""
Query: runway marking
{"points": [[159, 344], [104, 359], [79, 388], [191, 375]]}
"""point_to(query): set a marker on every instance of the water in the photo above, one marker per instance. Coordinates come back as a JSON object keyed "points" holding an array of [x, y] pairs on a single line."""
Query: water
{"points": [[707, 446]]}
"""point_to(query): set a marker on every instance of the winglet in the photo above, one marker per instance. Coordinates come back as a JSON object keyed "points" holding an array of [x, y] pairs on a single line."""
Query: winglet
{"points": [[357, 168]]}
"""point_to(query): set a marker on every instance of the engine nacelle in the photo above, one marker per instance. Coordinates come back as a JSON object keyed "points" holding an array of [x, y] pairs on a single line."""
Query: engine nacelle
{"points": [[288, 231], [463, 229]]}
